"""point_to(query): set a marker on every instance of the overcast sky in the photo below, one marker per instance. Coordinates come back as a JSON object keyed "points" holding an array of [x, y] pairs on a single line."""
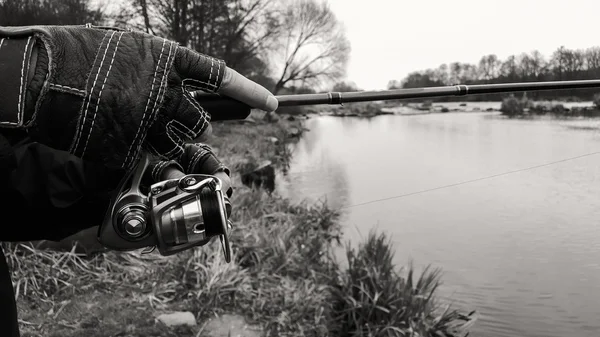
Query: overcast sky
{"points": [[391, 38]]}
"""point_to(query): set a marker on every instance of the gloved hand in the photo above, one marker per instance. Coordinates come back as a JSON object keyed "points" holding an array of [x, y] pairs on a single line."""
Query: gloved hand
{"points": [[105, 94], [197, 158]]}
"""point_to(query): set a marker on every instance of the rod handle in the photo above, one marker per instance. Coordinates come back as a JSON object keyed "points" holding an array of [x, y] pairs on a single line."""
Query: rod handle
{"points": [[222, 108]]}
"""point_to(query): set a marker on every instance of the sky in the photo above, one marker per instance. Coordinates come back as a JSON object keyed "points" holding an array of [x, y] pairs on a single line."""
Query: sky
{"points": [[391, 38]]}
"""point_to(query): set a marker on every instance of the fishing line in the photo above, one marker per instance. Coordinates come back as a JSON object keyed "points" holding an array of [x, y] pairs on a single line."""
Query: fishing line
{"points": [[470, 181]]}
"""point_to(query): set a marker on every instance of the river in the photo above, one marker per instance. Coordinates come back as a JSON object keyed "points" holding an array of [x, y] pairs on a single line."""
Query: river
{"points": [[522, 248]]}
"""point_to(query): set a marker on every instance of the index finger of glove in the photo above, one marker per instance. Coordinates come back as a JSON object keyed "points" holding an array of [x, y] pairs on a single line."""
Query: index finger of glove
{"points": [[247, 91], [212, 75]]}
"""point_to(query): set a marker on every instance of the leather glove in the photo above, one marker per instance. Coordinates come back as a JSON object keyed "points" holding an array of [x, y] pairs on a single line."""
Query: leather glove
{"points": [[197, 158], [105, 94]]}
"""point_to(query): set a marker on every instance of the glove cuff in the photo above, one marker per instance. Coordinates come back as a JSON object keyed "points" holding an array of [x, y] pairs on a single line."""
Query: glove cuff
{"points": [[24, 67]]}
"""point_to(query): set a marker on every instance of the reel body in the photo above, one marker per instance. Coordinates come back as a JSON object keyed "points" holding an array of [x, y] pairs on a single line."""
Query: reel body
{"points": [[173, 216]]}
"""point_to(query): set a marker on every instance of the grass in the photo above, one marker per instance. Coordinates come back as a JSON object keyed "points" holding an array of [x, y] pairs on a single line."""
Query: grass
{"points": [[283, 276]]}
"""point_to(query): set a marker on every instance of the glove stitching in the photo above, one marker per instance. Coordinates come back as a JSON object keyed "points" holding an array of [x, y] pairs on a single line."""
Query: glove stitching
{"points": [[83, 112], [50, 71], [20, 104], [160, 96], [150, 96], [171, 128], [183, 129], [217, 81], [21, 97], [163, 167], [206, 85], [100, 95], [203, 116], [153, 174], [195, 158], [153, 171], [159, 169], [170, 133], [67, 89], [212, 65]]}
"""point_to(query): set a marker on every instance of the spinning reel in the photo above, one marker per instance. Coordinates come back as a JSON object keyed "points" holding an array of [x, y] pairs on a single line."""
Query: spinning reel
{"points": [[173, 215]]}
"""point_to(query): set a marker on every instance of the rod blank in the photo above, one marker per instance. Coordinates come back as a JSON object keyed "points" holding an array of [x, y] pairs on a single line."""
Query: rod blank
{"points": [[335, 98]]}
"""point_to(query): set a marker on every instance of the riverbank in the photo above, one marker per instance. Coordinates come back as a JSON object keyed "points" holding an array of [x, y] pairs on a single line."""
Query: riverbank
{"points": [[282, 280], [511, 106]]}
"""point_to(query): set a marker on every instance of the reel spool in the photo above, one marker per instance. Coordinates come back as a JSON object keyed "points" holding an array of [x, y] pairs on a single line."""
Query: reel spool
{"points": [[175, 215]]}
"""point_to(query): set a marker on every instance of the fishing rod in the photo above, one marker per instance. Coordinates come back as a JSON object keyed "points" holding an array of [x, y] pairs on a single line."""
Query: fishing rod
{"points": [[175, 215], [224, 108], [335, 98]]}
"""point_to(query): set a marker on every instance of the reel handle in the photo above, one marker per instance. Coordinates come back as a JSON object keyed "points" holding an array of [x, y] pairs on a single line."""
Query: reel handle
{"points": [[126, 225]]}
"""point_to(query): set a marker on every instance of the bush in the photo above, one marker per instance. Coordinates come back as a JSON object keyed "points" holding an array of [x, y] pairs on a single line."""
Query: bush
{"points": [[511, 106], [372, 299], [357, 109], [596, 100], [559, 109]]}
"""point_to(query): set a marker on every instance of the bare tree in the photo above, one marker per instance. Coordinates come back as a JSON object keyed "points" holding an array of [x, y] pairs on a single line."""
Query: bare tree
{"points": [[592, 57], [489, 67], [48, 12], [558, 62], [313, 44], [455, 72], [237, 31], [509, 68], [394, 84], [537, 63]]}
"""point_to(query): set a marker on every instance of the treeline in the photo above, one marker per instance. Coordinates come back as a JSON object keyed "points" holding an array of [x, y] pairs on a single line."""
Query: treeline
{"points": [[564, 64], [281, 44]]}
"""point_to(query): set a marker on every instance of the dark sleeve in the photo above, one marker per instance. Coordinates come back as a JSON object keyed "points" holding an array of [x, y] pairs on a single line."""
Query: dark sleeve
{"points": [[52, 194]]}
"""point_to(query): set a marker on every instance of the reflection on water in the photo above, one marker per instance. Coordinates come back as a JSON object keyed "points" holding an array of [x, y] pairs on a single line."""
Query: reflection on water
{"points": [[523, 249]]}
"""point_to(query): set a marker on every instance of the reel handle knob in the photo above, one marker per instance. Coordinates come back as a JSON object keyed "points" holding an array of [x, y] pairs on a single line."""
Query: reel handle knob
{"points": [[134, 225]]}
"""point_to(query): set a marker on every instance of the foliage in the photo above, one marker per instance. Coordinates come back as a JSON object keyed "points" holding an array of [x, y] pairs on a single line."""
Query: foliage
{"points": [[345, 87], [596, 100], [278, 44], [48, 12], [563, 64], [264, 40], [511, 106], [371, 298]]}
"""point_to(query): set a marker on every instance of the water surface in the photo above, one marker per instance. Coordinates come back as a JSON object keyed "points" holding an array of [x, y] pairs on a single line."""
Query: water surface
{"points": [[523, 249]]}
